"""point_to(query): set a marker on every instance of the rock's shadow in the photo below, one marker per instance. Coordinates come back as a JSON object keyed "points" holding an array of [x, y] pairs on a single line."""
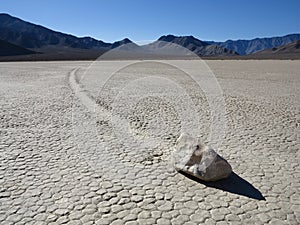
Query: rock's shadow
{"points": [[233, 184]]}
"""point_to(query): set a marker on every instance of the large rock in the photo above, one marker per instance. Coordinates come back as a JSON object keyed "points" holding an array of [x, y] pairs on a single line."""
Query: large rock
{"points": [[199, 160]]}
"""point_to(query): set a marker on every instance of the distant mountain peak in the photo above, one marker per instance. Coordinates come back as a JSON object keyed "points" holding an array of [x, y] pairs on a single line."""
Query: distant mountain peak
{"points": [[184, 41], [126, 40], [121, 42], [168, 37], [193, 44], [8, 16]]}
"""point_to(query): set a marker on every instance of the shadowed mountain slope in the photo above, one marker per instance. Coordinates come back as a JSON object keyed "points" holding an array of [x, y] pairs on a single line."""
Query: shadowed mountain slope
{"points": [[195, 45], [8, 49]]}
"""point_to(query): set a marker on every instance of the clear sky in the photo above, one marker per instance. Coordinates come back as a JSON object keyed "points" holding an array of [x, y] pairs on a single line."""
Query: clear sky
{"points": [[139, 20]]}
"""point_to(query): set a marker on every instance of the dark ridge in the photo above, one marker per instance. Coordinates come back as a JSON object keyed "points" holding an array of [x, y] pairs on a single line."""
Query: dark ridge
{"points": [[200, 48], [120, 43], [8, 49]]}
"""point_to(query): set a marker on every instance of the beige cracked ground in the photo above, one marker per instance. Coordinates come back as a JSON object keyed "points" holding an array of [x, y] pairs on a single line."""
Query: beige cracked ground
{"points": [[63, 161]]}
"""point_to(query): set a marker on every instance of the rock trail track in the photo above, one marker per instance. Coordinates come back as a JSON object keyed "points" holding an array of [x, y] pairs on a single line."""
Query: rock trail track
{"points": [[61, 162]]}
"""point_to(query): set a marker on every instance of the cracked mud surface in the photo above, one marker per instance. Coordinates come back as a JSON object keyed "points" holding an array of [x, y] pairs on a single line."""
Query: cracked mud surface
{"points": [[60, 163]]}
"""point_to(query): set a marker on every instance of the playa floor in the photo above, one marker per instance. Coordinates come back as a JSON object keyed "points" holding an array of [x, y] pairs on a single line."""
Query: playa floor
{"points": [[83, 143]]}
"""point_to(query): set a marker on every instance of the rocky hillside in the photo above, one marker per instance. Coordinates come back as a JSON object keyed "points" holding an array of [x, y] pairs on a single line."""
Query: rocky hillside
{"points": [[193, 44], [289, 51], [8, 49], [52, 44], [245, 47]]}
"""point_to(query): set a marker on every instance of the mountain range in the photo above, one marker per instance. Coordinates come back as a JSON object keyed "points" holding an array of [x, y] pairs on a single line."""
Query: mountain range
{"points": [[288, 51], [21, 40], [246, 47], [195, 45]]}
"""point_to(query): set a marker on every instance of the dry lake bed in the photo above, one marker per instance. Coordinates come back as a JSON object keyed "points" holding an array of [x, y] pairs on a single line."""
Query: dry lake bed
{"points": [[92, 143]]}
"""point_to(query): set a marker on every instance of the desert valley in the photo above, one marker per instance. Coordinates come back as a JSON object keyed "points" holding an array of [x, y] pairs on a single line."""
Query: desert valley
{"points": [[89, 129]]}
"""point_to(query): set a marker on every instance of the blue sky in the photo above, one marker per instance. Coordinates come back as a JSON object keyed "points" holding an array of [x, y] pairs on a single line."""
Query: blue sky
{"points": [[139, 20]]}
